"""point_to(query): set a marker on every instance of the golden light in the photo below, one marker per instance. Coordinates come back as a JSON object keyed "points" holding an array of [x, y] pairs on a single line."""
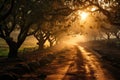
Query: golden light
{"points": [[84, 15], [93, 9], [73, 40]]}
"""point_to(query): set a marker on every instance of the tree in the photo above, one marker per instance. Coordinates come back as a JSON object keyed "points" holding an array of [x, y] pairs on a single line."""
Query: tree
{"points": [[109, 8], [20, 17], [50, 31], [42, 36], [51, 25], [115, 31], [23, 14]]}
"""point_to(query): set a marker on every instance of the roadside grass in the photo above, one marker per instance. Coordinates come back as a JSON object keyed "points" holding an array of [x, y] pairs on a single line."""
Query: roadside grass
{"points": [[4, 51], [3, 48], [28, 46]]}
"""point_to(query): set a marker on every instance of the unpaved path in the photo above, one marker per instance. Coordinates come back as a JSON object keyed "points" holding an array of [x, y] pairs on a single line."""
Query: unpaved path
{"points": [[76, 63], [93, 65]]}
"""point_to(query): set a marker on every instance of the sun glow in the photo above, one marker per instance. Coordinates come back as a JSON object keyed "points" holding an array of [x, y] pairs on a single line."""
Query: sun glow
{"points": [[83, 15], [73, 40], [93, 9]]}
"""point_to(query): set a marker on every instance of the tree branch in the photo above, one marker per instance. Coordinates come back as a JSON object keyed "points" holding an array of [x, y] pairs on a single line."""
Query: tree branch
{"points": [[3, 17]]}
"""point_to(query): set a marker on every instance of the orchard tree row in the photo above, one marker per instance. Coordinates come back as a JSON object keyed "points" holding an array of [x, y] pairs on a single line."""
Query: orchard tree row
{"points": [[48, 19]]}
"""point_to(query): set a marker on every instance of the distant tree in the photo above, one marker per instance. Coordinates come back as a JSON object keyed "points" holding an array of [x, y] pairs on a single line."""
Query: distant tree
{"points": [[52, 40], [50, 31], [116, 32], [52, 27], [42, 36]]}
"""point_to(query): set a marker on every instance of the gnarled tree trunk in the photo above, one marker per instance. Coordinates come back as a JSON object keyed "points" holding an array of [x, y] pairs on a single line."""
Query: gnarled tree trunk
{"points": [[13, 52], [13, 48]]}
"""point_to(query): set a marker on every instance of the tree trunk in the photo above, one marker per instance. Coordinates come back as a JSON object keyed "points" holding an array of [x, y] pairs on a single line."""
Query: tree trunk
{"points": [[51, 44], [41, 45], [13, 48], [117, 36], [13, 52], [108, 36]]}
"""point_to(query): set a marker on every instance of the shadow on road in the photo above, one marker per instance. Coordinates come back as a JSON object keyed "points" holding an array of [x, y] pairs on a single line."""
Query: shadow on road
{"points": [[78, 69]]}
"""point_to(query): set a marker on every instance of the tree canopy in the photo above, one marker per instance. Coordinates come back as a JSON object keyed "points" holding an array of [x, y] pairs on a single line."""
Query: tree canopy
{"points": [[49, 19]]}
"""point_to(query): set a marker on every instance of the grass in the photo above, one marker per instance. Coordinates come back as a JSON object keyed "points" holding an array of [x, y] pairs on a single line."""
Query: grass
{"points": [[29, 43], [4, 51], [3, 48]]}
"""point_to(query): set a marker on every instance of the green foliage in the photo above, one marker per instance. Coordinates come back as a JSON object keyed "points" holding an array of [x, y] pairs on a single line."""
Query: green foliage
{"points": [[3, 52]]}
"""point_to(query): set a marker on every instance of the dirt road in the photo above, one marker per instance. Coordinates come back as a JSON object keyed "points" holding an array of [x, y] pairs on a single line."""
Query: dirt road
{"points": [[93, 65], [70, 63], [77, 63]]}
